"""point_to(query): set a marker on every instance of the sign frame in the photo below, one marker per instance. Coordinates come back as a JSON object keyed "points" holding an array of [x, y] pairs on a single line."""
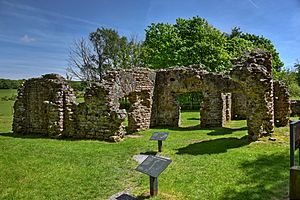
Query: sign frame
{"points": [[153, 162], [159, 136], [294, 141]]}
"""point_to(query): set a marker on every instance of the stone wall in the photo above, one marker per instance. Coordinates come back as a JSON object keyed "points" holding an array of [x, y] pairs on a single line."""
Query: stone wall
{"points": [[295, 107], [281, 104], [139, 113], [215, 109], [44, 106], [251, 75], [227, 103], [239, 106], [100, 115], [47, 106], [254, 72], [179, 80]]}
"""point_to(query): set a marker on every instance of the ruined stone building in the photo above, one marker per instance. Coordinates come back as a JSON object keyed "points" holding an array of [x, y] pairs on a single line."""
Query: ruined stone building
{"points": [[47, 105]]}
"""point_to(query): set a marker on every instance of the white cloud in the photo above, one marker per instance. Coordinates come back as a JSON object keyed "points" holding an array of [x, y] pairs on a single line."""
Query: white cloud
{"points": [[26, 39]]}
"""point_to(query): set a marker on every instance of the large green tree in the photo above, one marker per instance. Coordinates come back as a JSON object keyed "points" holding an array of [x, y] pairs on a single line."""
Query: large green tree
{"points": [[297, 68], [105, 49], [189, 41], [249, 41], [194, 41]]}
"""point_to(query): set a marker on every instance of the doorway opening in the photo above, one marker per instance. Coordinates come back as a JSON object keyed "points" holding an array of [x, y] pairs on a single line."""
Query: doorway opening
{"points": [[190, 104]]}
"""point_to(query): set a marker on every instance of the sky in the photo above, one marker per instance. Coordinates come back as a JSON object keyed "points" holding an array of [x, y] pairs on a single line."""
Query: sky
{"points": [[36, 35]]}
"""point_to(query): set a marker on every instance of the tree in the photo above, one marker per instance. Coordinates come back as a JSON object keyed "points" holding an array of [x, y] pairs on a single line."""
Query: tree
{"points": [[189, 41], [89, 60], [194, 41], [238, 38], [297, 68], [10, 84], [80, 61], [130, 54]]}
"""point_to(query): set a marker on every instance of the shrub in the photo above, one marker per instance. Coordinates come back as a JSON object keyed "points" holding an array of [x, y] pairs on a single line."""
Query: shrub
{"points": [[294, 90], [11, 98]]}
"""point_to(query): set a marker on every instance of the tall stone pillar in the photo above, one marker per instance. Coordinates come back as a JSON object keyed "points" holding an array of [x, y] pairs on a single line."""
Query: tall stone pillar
{"points": [[281, 104], [165, 109]]}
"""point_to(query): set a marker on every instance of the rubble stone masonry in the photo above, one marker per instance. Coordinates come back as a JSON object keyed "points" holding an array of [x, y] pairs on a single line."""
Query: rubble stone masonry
{"points": [[47, 105]]}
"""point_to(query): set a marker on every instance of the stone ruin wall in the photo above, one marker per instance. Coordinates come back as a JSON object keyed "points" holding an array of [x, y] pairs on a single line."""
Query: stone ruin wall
{"points": [[281, 104], [251, 75], [44, 106], [215, 109], [100, 115], [171, 82], [239, 106], [295, 107], [47, 106], [227, 106], [55, 113], [253, 71]]}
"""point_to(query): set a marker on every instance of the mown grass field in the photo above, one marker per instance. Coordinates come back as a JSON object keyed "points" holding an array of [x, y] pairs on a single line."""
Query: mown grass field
{"points": [[207, 164]]}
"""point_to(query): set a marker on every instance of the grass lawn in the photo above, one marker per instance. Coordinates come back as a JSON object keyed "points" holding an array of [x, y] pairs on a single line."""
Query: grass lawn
{"points": [[207, 164]]}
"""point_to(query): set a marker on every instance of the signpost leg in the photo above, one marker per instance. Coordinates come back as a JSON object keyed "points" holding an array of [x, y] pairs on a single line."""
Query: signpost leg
{"points": [[159, 146], [292, 145], [153, 186], [295, 183]]}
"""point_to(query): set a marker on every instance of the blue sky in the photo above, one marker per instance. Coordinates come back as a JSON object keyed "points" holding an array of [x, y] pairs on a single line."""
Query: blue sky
{"points": [[36, 35]]}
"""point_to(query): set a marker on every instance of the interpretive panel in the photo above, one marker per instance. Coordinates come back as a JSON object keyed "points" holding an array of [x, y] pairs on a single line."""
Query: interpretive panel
{"points": [[159, 136], [153, 165]]}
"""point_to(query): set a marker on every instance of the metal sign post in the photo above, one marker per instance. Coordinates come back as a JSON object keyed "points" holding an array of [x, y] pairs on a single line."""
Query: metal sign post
{"points": [[153, 186], [294, 170], [153, 166], [159, 136], [294, 141]]}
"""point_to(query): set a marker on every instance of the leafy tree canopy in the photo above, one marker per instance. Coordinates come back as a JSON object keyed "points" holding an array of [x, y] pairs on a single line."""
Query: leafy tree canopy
{"points": [[255, 41], [194, 41], [189, 41], [10, 84]]}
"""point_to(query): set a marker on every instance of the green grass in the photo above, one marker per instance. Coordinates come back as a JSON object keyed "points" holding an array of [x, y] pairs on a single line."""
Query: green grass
{"points": [[7, 92], [294, 98], [6, 109], [207, 164]]}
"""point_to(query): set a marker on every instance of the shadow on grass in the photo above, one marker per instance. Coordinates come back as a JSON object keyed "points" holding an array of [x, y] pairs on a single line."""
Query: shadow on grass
{"points": [[37, 136], [193, 118], [27, 136], [142, 197], [125, 197], [129, 132], [213, 131], [225, 131], [153, 153], [214, 146], [187, 128], [266, 177], [129, 197]]}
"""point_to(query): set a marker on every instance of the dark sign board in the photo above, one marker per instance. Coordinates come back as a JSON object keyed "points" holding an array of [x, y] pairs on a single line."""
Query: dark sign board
{"points": [[153, 165], [159, 136], [294, 140]]}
